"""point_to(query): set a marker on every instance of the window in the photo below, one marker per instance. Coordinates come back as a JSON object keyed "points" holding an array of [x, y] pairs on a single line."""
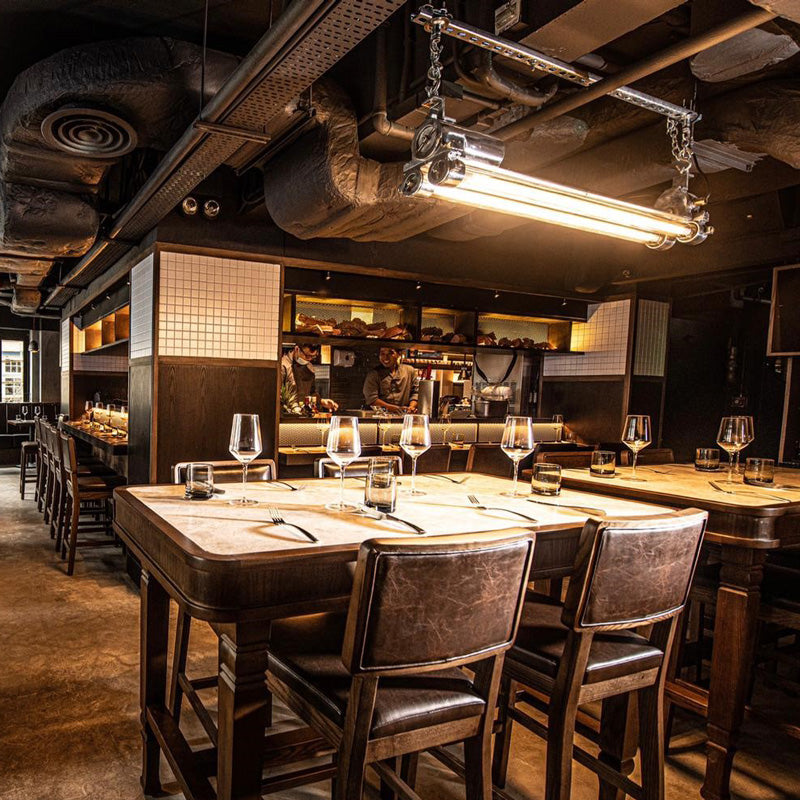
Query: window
{"points": [[12, 371]]}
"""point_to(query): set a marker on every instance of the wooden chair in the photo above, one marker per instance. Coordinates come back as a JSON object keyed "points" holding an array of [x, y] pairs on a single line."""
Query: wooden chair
{"points": [[96, 490], [628, 574], [436, 459], [659, 455], [262, 469], [357, 468], [381, 683], [490, 460]]}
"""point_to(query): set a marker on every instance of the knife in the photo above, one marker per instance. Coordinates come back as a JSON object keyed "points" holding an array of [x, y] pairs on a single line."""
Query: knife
{"points": [[379, 515]]}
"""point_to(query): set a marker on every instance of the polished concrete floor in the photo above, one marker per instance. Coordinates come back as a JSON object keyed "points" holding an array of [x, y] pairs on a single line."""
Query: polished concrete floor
{"points": [[69, 690]]}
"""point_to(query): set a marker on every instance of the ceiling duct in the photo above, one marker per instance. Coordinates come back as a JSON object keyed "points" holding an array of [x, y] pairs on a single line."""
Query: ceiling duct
{"points": [[307, 39], [67, 120]]}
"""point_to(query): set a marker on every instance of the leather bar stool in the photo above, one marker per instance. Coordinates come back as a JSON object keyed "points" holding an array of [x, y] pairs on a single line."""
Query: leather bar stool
{"points": [[382, 682], [658, 455], [434, 459], [261, 469], [28, 458], [41, 468], [357, 468], [93, 490], [628, 574], [490, 460]]}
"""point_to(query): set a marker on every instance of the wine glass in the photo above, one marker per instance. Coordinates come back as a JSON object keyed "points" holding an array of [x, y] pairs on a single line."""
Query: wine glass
{"points": [[751, 435], [636, 436], [732, 437], [517, 443], [322, 429], [245, 445], [415, 439], [24, 411], [37, 411], [344, 446]]}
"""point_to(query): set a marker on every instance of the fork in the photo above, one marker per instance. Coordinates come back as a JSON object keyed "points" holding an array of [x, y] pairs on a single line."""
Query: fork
{"points": [[287, 485], [477, 503], [447, 478], [719, 488], [277, 519]]}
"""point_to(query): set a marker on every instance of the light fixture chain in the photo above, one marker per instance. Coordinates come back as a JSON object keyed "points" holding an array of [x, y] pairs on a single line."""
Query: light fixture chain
{"points": [[681, 134], [440, 18]]}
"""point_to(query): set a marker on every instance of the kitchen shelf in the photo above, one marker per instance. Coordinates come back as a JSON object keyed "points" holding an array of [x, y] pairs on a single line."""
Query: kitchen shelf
{"points": [[108, 335]]}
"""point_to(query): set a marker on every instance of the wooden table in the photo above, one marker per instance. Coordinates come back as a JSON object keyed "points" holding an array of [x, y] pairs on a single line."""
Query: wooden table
{"points": [[27, 424], [744, 528], [228, 566]]}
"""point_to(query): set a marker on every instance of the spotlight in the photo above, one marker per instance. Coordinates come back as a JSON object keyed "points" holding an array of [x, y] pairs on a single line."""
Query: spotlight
{"points": [[563, 302], [189, 206], [496, 295], [211, 209], [328, 275], [418, 286]]}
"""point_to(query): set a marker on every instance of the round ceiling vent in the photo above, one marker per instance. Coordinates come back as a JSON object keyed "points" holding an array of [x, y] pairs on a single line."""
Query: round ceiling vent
{"points": [[88, 132]]}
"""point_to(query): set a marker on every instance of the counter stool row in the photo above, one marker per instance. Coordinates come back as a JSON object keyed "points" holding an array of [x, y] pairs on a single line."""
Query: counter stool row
{"points": [[73, 493]]}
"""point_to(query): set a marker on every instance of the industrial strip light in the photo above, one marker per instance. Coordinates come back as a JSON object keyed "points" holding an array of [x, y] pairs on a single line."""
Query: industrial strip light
{"points": [[463, 167]]}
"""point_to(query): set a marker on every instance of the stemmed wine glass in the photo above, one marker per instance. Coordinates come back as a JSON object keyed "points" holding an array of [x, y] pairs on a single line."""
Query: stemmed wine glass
{"points": [[517, 443], [636, 435], [344, 446], [37, 411], [734, 435], [245, 446], [24, 411], [751, 435], [415, 439]]}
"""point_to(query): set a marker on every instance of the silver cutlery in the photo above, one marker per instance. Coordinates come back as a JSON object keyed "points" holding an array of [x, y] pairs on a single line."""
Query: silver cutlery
{"points": [[287, 485], [373, 513], [720, 488], [582, 509], [277, 519], [447, 478], [477, 504]]}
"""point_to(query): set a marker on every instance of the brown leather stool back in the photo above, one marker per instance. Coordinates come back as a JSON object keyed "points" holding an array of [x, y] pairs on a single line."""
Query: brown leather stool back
{"points": [[490, 460], [435, 459], [567, 459], [633, 572], [262, 469], [448, 600]]}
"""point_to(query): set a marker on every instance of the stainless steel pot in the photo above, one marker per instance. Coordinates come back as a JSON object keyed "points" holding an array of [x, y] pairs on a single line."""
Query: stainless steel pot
{"points": [[484, 407]]}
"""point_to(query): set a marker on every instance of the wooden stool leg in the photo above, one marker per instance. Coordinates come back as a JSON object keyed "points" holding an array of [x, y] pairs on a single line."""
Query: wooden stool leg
{"points": [[502, 739], [73, 535], [618, 739], [651, 741], [182, 629]]}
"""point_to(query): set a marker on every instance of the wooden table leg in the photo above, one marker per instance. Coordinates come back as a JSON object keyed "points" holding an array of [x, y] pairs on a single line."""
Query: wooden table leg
{"points": [[735, 626], [243, 702], [619, 736], [154, 624]]}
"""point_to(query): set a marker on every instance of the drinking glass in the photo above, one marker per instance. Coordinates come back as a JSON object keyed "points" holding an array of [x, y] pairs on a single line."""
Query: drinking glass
{"points": [[517, 443], [732, 437], [199, 482], [37, 411], [415, 439], [24, 411], [344, 446], [546, 479], [636, 436], [558, 422], [322, 428], [707, 459], [751, 435], [245, 445], [380, 490], [604, 463], [759, 471]]}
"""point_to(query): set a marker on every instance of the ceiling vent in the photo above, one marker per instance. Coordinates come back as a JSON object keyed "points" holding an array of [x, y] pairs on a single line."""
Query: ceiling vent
{"points": [[88, 132]]}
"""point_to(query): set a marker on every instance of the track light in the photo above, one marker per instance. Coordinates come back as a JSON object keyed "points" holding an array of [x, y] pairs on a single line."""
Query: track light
{"points": [[496, 295], [418, 286], [328, 275]]}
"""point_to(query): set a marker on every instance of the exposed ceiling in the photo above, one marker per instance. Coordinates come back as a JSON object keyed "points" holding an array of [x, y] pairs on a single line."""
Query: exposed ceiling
{"points": [[323, 187]]}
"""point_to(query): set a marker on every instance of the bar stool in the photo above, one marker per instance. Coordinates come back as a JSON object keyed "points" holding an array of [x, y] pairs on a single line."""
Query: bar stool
{"points": [[357, 468], [80, 491], [435, 459], [381, 683], [262, 469], [28, 458], [628, 574]]}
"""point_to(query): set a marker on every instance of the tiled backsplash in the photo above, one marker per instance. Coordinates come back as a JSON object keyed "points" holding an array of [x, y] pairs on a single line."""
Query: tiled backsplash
{"points": [[81, 362], [66, 330], [218, 307], [603, 339], [141, 343]]}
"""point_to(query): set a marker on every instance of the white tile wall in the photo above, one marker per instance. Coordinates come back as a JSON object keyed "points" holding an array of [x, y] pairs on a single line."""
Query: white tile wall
{"points": [[82, 362], [603, 338], [66, 330], [141, 341], [652, 331], [218, 307]]}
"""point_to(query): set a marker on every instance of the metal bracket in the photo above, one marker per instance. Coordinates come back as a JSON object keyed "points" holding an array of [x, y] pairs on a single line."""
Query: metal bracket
{"points": [[539, 61], [235, 133]]}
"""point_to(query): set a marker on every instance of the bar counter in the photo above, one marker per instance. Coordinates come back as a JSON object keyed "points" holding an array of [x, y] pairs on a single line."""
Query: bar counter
{"points": [[111, 450]]}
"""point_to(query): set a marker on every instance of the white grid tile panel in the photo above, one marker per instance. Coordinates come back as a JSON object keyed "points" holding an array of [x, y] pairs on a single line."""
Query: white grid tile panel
{"points": [[142, 291], [66, 330], [86, 362], [652, 329], [603, 339], [218, 307]]}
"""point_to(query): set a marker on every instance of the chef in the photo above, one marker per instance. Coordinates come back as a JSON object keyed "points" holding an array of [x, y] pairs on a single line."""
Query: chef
{"points": [[297, 375], [392, 386]]}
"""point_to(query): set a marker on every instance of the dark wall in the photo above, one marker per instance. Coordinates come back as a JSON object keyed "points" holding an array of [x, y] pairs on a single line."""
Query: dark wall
{"points": [[594, 409], [704, 384]]}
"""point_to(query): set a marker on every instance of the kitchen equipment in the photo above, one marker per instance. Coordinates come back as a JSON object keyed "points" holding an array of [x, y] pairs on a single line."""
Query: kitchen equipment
{"points": [[486, 407], [428, 398]]}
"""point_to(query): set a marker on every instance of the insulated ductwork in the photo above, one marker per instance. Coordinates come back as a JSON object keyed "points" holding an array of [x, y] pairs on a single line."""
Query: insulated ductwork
{"points": [[68, 119], [323, 187]]}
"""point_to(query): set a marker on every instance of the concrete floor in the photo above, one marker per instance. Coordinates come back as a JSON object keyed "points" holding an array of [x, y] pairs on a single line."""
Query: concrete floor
{"points": [[69, 690]]}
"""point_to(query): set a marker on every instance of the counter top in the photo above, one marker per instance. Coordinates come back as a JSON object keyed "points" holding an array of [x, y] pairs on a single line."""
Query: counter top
{"points": [[116, 445]]}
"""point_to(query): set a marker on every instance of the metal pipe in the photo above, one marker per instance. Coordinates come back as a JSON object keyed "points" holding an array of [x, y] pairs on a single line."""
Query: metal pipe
{"points": [[665, 58], [379, 117], [488, 75], [301, 14]]}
